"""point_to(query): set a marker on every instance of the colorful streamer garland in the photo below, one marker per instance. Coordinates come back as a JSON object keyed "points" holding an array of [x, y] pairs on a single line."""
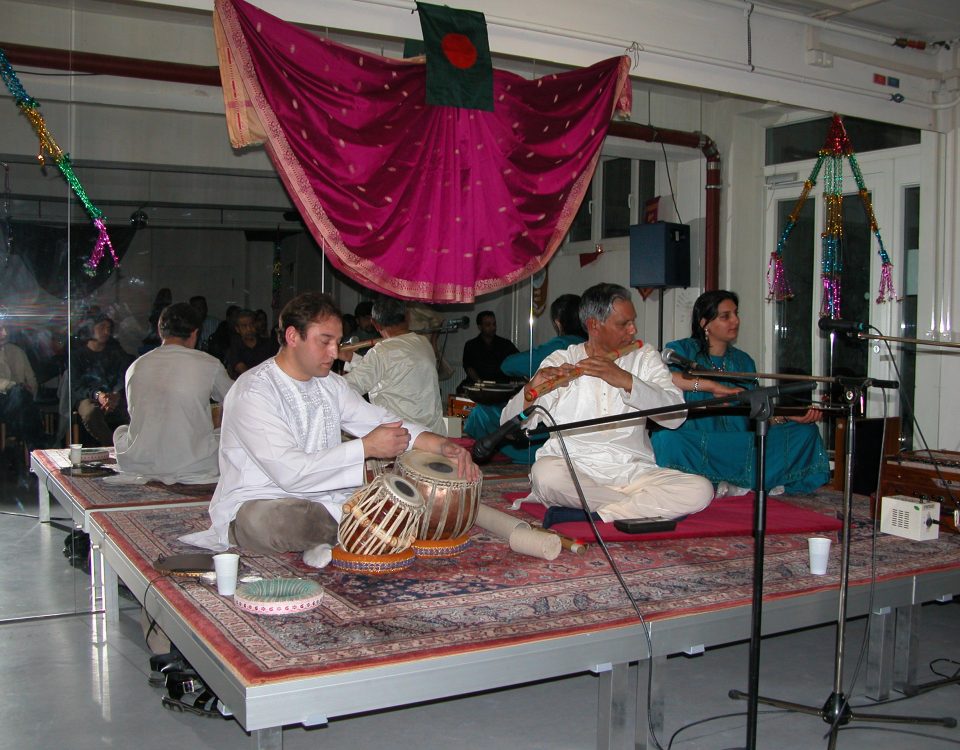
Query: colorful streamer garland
{"points": [[830, 158], [30, 108]]}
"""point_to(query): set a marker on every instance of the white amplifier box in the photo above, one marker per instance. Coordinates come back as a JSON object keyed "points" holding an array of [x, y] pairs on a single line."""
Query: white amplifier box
{"points": [[909, 517]]}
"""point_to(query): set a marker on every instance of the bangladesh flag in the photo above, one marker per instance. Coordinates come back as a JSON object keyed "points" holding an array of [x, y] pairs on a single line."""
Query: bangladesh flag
{"points": [[459, 69]]}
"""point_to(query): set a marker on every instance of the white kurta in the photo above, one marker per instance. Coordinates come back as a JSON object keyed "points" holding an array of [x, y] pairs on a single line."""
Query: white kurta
{"points": [[400, 374], [281, 438], [613, 454], [171, 436]]}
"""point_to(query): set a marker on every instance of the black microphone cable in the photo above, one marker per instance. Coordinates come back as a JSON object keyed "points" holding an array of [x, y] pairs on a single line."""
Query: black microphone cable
{"points": [[613, 565]]}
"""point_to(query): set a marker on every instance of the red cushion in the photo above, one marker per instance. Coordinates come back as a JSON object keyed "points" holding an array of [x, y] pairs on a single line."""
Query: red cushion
{"points": [[728, 516]]}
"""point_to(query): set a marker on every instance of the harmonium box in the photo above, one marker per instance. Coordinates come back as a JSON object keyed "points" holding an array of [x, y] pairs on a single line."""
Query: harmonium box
{"points": [[929, 475]]}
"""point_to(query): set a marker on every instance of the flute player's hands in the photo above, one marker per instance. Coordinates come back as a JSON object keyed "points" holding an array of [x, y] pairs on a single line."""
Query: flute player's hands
{"points": [[545, 375], [607, 370]]}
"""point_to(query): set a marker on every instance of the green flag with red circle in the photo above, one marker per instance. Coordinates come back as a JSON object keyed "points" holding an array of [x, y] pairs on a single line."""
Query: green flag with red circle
{"points": [[459, 69]]}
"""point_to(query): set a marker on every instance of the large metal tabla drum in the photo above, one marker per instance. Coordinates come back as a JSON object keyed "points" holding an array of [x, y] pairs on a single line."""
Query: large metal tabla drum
{"points": [[450, 503], [378, 526]]}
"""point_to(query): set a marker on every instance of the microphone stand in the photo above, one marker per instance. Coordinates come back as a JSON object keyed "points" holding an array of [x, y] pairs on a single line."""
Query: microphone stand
{"points": [[836, 710], [761, 409]]}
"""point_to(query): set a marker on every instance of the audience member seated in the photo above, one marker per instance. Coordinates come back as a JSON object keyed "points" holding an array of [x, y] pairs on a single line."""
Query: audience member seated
{"points": [[284, 470], [18, 386], [483, 354], [97, 369], [400, 372], [614, 462], [721, 447], [248, 349], [485, 418], [171, 437], [221, 339], [210, 323], [364, 329], [263, 326]]}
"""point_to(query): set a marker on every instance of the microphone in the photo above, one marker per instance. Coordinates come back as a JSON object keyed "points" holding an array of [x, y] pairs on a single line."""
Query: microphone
{"points": [[670, 357], [454, 324], [842, 326], [486, 446]]}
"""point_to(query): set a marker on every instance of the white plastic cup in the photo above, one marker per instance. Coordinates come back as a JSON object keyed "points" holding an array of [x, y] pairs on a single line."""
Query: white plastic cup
{"points": [[819, 554], [76, 454], [227, 565]]}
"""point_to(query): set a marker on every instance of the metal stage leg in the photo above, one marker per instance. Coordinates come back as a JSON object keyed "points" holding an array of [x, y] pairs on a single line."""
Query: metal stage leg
{"points": [[906, 647], [106, 592], [43, 499], [880, 654], [270, 738], [613, 690]]}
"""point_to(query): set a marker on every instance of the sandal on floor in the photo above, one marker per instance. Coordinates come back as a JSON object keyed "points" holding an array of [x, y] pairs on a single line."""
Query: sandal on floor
{"points": [[162, 664], [201, 703], [186, 692]]}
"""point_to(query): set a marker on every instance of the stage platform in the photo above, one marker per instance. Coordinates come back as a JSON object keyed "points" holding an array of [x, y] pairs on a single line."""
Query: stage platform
{"points": [[82, 490], [493, 618]]}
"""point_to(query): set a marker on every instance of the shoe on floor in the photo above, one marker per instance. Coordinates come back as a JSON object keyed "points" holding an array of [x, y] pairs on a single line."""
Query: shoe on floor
{"points": [[163, 664]]}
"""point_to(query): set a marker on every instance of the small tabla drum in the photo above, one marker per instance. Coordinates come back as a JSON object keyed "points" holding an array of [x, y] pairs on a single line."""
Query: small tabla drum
{"points": [[450, 503], [378, 527]]}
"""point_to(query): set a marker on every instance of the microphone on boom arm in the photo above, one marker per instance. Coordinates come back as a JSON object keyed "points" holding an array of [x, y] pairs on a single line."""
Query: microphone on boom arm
{"points": [[486, 446], [670, 357], [849, 327]]}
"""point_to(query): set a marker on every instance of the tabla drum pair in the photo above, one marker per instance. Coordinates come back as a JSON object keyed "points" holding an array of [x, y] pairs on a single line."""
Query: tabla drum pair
{"points": [[423, 508], [450, 503], [378, 526]]}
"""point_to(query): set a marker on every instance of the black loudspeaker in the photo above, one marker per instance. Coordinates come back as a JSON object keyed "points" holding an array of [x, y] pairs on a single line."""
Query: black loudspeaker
{"points": [[659, 255]]}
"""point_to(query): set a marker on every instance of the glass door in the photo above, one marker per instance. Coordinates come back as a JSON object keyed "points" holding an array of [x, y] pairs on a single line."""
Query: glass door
{"points": [[795, 344]]}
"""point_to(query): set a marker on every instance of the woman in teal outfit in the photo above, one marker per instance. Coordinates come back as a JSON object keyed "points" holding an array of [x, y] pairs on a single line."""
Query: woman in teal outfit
{"points": [[721, 447], [485, 418]]}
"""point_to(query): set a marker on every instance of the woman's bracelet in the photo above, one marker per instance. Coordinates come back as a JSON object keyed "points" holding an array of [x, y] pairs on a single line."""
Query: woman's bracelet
{"points": [[696, 385]]}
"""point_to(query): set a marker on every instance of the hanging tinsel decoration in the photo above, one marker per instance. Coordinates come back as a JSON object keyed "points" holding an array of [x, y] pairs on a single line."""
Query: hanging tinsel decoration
{"points": [[30, 108], [830, 159]]}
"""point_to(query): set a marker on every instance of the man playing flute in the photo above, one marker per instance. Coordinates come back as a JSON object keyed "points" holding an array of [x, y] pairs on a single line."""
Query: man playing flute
{"points": [[614, 462]]}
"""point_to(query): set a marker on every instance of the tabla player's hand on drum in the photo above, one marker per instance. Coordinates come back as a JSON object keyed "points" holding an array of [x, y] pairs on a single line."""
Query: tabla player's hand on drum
{"points": [[388, 440], [466, 468]]}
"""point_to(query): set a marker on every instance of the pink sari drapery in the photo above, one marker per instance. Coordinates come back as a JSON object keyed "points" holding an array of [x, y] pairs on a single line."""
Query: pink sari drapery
{"points": [[432, 203]]}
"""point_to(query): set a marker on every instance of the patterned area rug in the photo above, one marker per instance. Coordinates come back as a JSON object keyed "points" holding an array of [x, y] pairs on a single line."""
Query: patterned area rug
{"points": [[491, 595]]}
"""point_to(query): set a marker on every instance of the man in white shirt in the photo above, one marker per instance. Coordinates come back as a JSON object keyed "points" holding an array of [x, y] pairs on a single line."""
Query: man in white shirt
{"points": [[171, 436], [284, 470], [614, 462], [400, 372]]}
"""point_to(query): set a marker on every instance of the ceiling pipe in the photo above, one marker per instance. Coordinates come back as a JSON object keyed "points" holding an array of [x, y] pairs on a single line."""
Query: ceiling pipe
{"points": [[110, 65], [713, 186]]}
